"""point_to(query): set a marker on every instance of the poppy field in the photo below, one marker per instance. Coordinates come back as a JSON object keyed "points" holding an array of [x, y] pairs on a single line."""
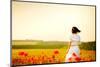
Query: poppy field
{"points": [[37, 54]]}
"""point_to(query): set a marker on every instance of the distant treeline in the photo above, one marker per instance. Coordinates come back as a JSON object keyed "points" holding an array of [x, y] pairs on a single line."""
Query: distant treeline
{"points": [[88, 45]]}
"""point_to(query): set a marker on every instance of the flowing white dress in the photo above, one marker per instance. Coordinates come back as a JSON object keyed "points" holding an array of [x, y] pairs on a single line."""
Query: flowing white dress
{"points": [[73, 54]]}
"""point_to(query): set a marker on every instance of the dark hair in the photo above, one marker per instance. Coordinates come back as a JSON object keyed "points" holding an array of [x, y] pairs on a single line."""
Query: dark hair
{"points": [[75, 30]]}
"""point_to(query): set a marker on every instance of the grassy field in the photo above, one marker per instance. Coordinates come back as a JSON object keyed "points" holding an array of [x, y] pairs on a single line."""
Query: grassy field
{"points": [[40, 52]]}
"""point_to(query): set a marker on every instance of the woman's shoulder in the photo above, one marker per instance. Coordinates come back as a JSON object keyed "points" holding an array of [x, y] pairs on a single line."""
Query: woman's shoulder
{"points": [[74, 35]]}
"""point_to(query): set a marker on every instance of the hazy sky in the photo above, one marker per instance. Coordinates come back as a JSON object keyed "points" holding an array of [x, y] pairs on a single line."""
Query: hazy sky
{"points": [[40, 21]]}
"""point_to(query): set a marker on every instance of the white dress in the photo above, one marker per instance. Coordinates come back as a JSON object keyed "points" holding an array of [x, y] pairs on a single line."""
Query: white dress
{"points": [[74, 51]]}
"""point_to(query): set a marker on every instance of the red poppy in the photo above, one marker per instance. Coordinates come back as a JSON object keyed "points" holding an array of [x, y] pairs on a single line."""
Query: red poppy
{"points": [[74, 54], [77, 59], [42, 57], [32, 58], [53, 56], [50, 60], [25, 54], [70, 59], [56, 52], [14, 61], [21, 53]]}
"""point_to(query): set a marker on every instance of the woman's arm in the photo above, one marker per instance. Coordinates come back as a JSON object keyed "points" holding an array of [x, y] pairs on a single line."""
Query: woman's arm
{"points": [[69, 45]]}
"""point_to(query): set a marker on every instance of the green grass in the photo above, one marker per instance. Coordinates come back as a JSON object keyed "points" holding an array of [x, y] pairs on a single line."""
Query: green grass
{"points": [[35, 44]]}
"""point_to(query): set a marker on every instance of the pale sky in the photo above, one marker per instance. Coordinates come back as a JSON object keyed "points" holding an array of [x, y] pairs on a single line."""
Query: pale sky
{"points": [[41, 21]]}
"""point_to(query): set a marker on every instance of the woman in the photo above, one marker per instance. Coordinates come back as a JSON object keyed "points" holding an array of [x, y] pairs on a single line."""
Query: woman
{"points": [[73, 54]]}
